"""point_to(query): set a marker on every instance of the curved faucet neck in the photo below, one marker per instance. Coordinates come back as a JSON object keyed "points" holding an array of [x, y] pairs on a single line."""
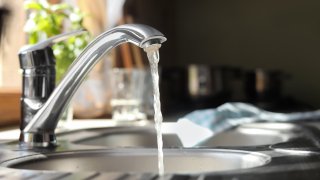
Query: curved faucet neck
{"points": [[47, 117]]}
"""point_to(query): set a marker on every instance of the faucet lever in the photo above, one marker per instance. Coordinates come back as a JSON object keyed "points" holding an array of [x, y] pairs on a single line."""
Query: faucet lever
{"points": [[50, 41]]}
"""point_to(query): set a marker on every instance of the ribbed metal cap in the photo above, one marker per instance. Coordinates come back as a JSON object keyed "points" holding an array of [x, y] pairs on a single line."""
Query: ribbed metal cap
{"points": [[37, 58]]}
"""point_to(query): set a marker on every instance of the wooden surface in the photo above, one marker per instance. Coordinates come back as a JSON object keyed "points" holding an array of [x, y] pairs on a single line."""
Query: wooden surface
{"points": [[9, 106]]}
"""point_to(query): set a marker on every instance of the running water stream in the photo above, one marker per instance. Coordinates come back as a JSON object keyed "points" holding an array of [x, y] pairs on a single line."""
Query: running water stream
{"points": [[153, 56]]}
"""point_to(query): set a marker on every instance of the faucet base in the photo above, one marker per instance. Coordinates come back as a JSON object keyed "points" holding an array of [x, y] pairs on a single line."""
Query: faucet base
{"points": [[38, 139]]}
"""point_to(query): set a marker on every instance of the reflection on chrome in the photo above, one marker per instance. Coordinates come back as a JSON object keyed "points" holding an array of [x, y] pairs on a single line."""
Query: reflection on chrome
{"points": [[40, 130]]}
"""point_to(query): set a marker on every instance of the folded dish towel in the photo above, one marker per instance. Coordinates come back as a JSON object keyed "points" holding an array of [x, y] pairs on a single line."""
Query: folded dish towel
{"points": [[201, 124]]}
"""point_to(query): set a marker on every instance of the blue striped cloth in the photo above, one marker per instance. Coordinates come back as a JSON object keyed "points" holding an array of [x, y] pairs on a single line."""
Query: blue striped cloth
{"points": [[230, 115]]}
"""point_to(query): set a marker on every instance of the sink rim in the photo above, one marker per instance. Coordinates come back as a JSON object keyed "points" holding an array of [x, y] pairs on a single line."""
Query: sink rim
{"points": [[257, 158]]}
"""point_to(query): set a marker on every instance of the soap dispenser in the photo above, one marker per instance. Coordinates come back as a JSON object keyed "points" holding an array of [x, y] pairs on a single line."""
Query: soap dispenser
{"points": [[38, 82]]}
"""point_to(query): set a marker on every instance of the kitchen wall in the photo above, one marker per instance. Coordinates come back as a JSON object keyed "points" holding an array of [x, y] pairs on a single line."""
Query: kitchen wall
{"points": [[271, 34], [12, 40]]}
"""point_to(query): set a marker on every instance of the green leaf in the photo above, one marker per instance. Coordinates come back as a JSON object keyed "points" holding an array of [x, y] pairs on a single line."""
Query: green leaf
{"points": [[30, 26], [59, 7], [32, 5], [46, 20], [44, 4], [75, 17]]}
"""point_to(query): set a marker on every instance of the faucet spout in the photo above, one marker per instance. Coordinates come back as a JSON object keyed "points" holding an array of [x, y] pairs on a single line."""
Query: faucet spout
{"points": [[40, 130]]}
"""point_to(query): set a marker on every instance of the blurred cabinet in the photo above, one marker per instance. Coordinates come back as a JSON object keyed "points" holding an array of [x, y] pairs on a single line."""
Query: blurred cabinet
{"points": [[9, 106]]}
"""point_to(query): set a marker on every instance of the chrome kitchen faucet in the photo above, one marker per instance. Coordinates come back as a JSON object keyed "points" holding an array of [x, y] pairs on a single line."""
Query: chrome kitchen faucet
{"points": [[41, 104]]}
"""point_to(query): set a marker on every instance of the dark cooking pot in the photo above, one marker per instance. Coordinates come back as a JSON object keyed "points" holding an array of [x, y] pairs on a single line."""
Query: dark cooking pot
{"points": [[264, 85], [210, 86], [204, 81], [198, 86]]}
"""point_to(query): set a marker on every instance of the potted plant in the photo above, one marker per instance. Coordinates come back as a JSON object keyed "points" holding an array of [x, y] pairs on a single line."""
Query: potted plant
{"points": [[46, 20]]}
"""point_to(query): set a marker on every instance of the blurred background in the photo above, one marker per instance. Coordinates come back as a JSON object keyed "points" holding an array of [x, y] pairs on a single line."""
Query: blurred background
{"points": [[262, 52]]}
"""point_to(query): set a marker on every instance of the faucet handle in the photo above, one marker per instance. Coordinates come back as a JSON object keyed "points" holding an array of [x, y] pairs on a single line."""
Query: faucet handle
{"points": [[41, 54], [50, 41]]}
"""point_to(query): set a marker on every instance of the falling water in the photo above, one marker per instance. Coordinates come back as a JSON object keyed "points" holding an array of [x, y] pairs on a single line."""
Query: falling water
{"points": [[153, 56]]}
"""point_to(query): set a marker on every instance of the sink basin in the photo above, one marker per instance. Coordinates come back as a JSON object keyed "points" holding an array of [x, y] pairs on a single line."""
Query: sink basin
{"points": [[245, 136], [248, 135], [142, 161], [129, 137]]}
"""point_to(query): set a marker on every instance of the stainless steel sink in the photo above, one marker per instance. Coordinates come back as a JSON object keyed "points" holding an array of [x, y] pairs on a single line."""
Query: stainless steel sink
{"points": [[128, 137], [255, 134], [247, 135], [142, 161]]}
